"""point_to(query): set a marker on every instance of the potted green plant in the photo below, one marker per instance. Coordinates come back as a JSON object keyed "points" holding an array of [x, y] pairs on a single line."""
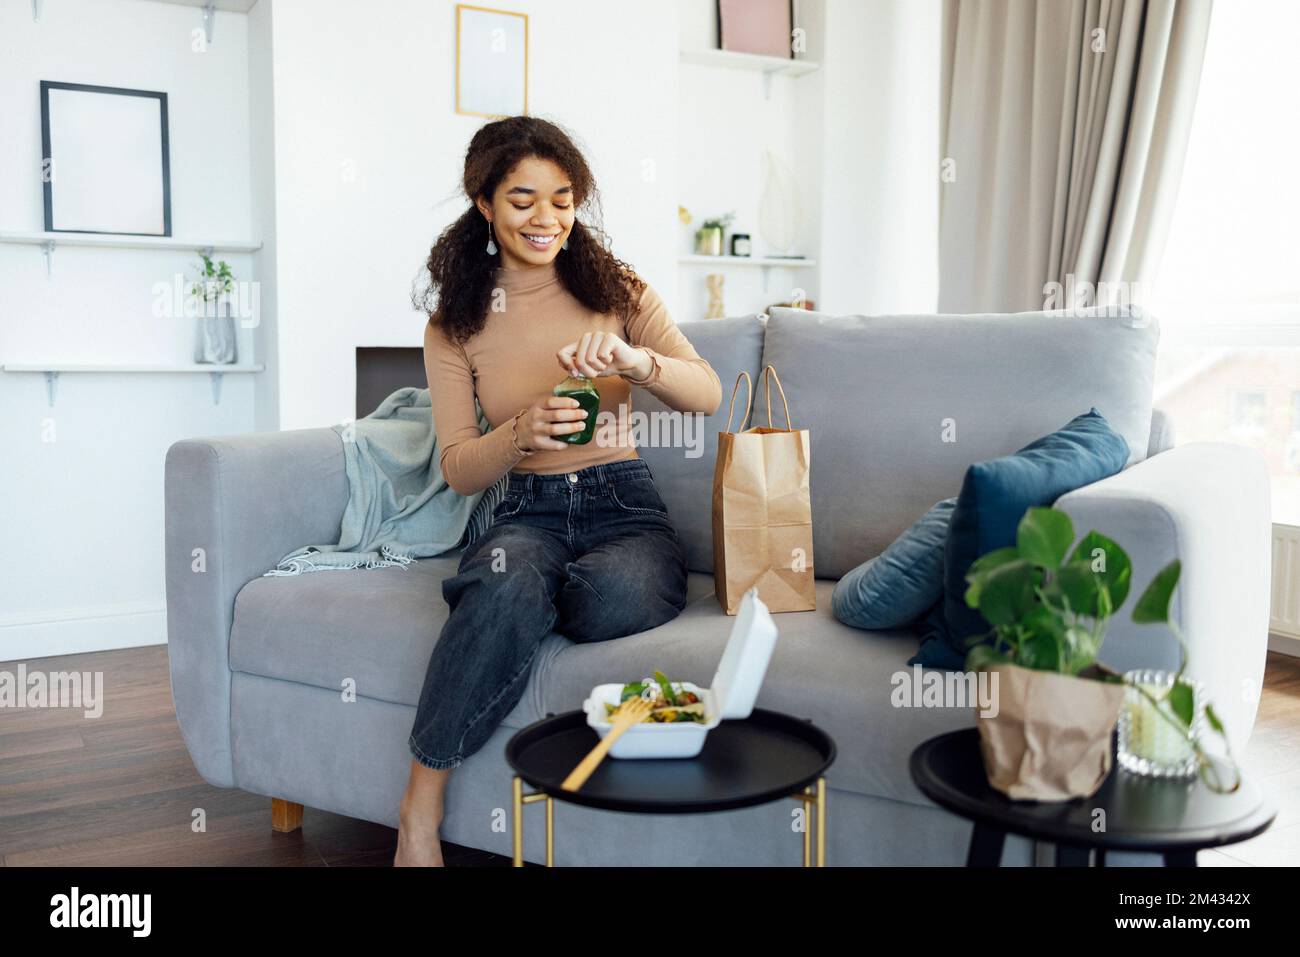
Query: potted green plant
{"points": [[215, 339], [1049, 606], [708, 238]]}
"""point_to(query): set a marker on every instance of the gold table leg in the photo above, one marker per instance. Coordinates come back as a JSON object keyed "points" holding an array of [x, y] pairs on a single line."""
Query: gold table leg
{"points": [[550, 832], [517, 786], [821, 822], [520, 799], [807, 826], [813, 797]]}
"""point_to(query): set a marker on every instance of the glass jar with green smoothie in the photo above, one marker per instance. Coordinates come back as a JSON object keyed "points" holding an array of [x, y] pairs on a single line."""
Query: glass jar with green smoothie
{"points": [[584, 390]]}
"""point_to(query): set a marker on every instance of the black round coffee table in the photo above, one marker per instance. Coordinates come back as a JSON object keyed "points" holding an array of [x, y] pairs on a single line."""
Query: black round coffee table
{"points": [[766, 757], [1175, 818]]}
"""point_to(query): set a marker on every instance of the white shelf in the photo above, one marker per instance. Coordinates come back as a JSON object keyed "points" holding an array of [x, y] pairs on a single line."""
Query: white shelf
{"points": [[731, 60], [129, 242], [52, 369], [765, 261], [56, 366]]}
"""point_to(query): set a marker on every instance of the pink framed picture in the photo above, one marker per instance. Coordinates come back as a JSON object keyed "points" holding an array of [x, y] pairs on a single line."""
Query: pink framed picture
{"points": [[756, 26]]}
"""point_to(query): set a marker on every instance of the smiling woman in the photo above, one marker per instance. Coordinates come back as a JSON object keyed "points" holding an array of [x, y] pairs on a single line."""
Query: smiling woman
{"points": [[531, 219], [527, 294], [523, 175], [582, 544]]}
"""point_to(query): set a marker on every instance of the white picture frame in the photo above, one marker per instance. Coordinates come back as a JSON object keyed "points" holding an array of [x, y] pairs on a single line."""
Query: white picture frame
{"points": [[491, 62]]}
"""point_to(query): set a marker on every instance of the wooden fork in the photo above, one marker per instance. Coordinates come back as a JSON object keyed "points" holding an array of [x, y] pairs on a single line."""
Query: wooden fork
{"points": [[633, 711]]}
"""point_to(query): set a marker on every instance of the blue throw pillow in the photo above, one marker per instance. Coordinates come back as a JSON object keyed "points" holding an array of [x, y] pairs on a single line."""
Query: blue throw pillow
{"points": [[935, 651], [994, 498], [900, 584]]}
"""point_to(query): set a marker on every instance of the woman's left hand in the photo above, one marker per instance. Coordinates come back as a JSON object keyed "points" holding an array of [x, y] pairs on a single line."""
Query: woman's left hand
{"points": [[604, 354]]}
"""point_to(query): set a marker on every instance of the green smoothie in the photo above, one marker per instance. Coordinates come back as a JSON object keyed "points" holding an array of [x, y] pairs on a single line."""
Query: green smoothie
{"points": [[584, 390]]}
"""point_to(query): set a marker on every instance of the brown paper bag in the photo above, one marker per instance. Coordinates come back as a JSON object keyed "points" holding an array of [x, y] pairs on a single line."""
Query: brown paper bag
{"points": [[1050, 738], [762, 511]]}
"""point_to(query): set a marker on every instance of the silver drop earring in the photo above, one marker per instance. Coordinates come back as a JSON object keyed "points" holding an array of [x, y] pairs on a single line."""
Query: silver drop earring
{"points": [[565, 244], [491, 245]]}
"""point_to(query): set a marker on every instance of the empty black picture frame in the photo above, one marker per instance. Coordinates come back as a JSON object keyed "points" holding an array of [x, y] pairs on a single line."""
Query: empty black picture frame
{"points": [[46, 154]]}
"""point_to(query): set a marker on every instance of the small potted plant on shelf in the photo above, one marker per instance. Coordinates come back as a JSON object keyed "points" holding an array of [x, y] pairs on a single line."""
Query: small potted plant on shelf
{"points": [[1049, 607], [708, 238], [215, 338]]}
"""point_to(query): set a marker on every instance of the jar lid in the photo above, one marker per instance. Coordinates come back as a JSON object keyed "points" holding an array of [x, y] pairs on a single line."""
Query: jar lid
{"points": [[574, 383]]}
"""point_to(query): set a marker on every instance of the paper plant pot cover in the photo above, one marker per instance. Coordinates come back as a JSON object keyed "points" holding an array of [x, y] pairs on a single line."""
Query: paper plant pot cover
{"points": [[1051, 737]]}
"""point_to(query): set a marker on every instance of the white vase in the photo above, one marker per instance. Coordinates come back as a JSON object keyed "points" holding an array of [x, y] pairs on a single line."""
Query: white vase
{"points": [[780, 210], [215, 340]]}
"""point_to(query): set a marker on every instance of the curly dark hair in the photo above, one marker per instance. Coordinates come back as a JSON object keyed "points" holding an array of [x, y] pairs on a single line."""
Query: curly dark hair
{"points": [[460, 273]]}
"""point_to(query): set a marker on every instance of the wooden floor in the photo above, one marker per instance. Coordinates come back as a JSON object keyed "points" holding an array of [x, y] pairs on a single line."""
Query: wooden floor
{"points": [[121, 790]]}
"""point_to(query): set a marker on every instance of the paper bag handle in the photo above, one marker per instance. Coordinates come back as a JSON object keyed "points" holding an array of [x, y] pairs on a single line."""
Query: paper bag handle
{"points": [[767, 382], [749, 400]]}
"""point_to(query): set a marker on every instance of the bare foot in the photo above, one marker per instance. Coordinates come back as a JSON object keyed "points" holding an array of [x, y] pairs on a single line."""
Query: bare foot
{"points": [[418, 844], [420, 816]]}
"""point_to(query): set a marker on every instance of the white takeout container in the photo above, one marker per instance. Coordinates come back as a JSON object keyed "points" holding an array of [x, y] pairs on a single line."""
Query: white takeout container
{"points": [[732, 693]]}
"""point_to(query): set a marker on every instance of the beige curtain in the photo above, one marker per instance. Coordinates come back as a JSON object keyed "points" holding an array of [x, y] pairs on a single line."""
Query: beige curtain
{"points": [[1065, 123]]}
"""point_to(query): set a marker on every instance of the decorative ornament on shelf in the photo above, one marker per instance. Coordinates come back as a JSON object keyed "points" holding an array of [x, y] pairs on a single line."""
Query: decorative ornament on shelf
{"points": [[713, 282], [708, 238], [793, 303], [215, 339], [780, 212]]}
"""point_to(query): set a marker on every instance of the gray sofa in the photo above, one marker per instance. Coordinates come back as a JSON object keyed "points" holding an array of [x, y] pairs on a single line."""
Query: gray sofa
{"points": [[898, 407]]}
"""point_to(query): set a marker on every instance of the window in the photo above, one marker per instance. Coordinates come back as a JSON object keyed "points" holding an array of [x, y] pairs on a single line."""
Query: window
{"points": [[1249, 415], [1228, 291]]}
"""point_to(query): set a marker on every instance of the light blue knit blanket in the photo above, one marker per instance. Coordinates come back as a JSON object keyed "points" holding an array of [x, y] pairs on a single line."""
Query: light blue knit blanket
{"points": [[400, 508]]}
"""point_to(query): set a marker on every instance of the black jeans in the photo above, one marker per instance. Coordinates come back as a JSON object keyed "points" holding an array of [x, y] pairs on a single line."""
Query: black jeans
{"points": [[591, 554]]}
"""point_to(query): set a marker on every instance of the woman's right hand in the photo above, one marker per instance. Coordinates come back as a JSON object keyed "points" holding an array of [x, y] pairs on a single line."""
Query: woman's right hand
{"points": [[552, 415]]}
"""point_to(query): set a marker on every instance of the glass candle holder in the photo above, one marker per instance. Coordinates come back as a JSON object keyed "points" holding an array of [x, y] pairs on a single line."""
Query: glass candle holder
{"points": [[1152, 743]]}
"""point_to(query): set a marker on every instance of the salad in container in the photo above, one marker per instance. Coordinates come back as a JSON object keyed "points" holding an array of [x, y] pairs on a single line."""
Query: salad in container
{"points": [[682, 713]]}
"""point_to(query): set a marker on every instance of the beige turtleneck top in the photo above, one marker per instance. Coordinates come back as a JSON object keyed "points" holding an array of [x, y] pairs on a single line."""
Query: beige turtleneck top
{"points": [[511, 363]]}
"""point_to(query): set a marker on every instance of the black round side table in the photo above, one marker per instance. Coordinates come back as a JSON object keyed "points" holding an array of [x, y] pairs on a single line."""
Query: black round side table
{"points": [[1175, 818], [766, 757]]}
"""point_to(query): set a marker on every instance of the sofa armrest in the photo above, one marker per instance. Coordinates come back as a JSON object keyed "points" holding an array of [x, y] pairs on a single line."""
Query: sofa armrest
{"points": [[245, 501], [1162, 433], [1207, 504]]}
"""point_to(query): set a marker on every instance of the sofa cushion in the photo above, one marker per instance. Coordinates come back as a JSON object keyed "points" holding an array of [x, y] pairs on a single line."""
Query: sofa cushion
{"points": [[903, 582], [684, 475], [918, 399], [994, 498], [378, 626], [840, 678]]}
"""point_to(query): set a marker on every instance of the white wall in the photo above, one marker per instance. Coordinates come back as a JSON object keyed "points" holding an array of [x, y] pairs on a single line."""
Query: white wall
{"points": [[262, 186], [368, 155], [860, 134], [880, 157], [81, 484], [724, 124], [326, 129]]}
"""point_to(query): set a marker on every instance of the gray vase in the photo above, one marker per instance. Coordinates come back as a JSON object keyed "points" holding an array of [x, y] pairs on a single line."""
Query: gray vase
{"points": [[215, 339]]}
